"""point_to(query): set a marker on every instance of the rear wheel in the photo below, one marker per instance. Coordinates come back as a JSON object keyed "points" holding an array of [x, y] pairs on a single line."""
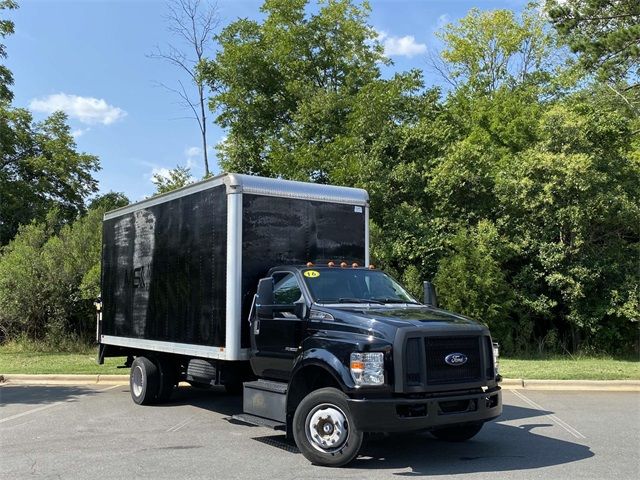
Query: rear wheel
{"points": [[323, 428], [459, 433], [144, 381], [168, 379]]}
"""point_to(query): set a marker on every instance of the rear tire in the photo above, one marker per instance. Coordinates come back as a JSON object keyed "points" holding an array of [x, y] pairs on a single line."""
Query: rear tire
{"points": [[144, 381], [168, 379], [460, 433], [323, 428]]}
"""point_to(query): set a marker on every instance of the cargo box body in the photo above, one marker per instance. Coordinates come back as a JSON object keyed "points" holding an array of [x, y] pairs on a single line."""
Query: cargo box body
{"points": [[179, 270]]}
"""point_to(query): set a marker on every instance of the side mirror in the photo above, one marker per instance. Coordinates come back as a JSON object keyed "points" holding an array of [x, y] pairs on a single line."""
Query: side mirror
{"points": [[265, 292], [300, 310], [430, 297]]}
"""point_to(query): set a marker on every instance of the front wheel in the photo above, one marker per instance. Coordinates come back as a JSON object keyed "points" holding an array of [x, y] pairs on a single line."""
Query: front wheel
{"points": [[459, 433], [323, 428]]}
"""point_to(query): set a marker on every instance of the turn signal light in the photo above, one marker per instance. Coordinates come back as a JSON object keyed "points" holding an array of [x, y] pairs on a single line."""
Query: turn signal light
{"points": [[357, 365]]}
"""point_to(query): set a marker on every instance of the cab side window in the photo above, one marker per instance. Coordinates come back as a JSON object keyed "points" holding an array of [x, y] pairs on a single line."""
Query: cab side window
{"points": [[286, 290]]}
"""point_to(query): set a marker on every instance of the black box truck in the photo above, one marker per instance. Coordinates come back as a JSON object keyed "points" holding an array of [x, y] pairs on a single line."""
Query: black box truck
{"points": [[264, 286]]}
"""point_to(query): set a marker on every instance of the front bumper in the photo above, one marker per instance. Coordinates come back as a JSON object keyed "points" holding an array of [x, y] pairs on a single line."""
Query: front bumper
{"points": [[406, 414]]}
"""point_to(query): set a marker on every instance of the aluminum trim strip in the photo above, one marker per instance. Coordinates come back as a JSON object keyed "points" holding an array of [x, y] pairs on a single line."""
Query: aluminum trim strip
{"points": [[167, 197], [202, 351], [276, 187], [367, 260], [234, 274]]}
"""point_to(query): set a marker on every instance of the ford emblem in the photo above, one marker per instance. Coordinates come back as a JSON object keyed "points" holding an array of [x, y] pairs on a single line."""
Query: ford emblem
{"points": [[455, 359]]}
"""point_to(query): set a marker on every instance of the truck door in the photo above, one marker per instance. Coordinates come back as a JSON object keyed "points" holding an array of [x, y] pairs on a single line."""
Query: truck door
{"points": [[276, 331]]}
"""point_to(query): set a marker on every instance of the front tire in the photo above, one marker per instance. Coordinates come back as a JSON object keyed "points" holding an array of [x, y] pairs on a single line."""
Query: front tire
{"points": [[323, 429], [459, 433], [144, 381]]}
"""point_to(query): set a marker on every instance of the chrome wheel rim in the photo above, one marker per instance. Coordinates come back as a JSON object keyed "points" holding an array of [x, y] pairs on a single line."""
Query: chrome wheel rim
{"points": [[137, 381], [327, 428]]}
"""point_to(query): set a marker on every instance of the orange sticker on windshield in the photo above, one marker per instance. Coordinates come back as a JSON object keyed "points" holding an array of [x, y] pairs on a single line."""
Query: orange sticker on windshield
{"points": [[311, 273]]}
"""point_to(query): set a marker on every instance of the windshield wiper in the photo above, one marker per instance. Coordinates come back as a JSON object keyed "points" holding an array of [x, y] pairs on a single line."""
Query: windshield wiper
{"points": [[359, 300], [394, 300]]}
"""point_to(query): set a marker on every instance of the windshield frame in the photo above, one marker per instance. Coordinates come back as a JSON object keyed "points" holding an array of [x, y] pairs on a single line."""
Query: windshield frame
{"points": [[411, 300]]}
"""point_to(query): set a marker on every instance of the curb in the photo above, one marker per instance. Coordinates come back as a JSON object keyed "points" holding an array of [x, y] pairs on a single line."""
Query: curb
{"points": [[99, 379], [572, 385], [506, 384]]}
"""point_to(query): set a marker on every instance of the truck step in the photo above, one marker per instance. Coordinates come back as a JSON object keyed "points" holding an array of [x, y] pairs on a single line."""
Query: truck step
{"points": [[258, 421], [268, 386]]}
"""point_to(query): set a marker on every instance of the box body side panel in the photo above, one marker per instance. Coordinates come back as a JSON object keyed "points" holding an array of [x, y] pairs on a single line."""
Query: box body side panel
{"points": [[164, 271], [290, 231]]}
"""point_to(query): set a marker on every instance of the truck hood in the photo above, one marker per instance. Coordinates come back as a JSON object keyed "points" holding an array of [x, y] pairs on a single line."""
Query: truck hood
{"points": [[421, 317]]}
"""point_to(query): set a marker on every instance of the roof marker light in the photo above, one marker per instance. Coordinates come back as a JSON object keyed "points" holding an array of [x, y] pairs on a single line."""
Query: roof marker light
{"points": [[372, 267], [343, 264], [309, 264], [355, 265], [331, 264]]}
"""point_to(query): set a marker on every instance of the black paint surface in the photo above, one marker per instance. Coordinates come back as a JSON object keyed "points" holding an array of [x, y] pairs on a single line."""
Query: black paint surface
{"points": [[285, 231], [164, 271]]}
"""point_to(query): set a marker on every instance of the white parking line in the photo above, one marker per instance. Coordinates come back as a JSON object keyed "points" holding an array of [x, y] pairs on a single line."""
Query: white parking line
{"points": [[110, 388], [33, 410], [178, 426], [550, 416]]}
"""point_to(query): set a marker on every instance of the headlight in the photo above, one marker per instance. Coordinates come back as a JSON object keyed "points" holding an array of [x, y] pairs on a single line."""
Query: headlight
{"points": [[367, 368], [496, 354]]}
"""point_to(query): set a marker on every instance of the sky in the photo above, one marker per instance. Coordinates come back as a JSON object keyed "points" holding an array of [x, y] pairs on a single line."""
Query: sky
{"points": [[89, 58]]}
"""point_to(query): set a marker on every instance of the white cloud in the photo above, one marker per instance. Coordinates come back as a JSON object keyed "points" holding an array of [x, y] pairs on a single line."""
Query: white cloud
{"points": [[88, 110], [160, 171], [401, 46], [193, 152], [79, 132]]}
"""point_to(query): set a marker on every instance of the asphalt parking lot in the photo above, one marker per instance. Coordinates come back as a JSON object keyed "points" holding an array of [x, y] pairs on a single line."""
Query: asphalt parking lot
{"points": [[97, 432]]}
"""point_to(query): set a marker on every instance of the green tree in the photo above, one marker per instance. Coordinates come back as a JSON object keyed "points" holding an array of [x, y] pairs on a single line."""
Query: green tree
{"points": [[285, 85], [493, 48], [472, 280], [6, 77], [40, 169], [604, 33], [48, 280], [109, 201], [571, 203], [176, 178]]}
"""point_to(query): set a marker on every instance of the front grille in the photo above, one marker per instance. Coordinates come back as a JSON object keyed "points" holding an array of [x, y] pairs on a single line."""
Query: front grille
{"points": [[441, 373]]}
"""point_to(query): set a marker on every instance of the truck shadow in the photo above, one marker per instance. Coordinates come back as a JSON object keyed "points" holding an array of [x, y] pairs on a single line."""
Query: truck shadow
{"points": [[214, 399], [41, 394], [517, 441], [498, 447]]}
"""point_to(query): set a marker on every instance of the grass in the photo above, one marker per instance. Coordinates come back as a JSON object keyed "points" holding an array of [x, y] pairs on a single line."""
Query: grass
{"points": [[60, 363], [567, 368], [20, 358]]}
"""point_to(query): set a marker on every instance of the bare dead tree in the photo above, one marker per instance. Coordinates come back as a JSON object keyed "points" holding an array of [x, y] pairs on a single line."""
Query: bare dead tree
{"points": [[192, 23]]}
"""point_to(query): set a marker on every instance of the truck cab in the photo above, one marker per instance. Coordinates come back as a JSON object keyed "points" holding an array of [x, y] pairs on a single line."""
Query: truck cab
{"points": [[344, 350]]}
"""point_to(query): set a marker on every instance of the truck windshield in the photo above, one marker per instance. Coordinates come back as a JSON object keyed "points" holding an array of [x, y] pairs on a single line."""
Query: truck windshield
{"points": [[337, 285]]}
